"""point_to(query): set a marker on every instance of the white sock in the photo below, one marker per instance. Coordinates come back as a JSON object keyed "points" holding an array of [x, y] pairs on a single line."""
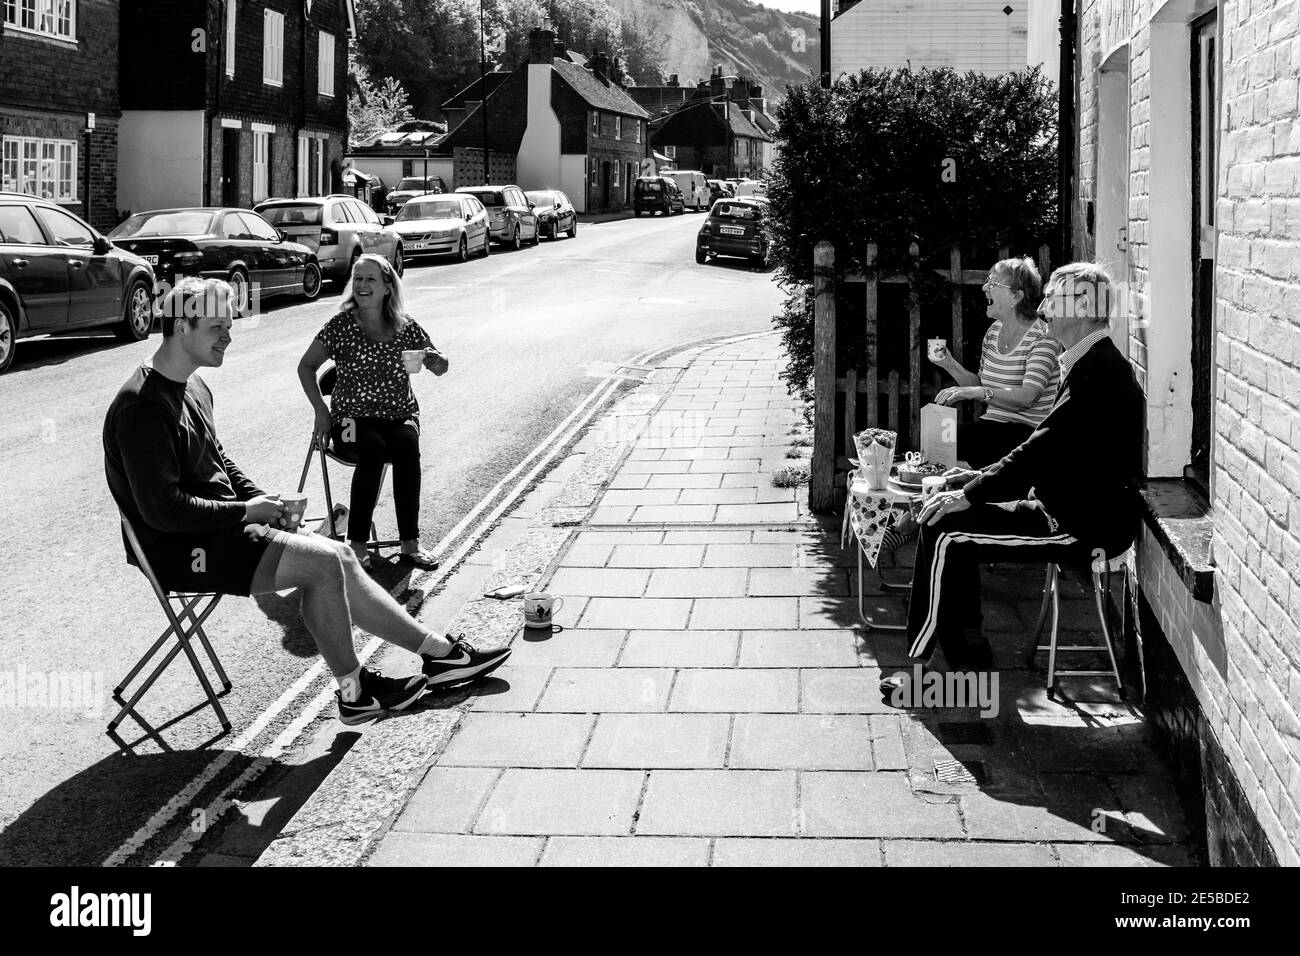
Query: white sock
{"points": [[434, 645], [350, 685]]}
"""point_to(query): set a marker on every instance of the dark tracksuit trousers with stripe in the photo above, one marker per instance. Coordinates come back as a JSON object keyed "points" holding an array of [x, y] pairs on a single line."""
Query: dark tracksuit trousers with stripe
{"points": [[1084, 463]]}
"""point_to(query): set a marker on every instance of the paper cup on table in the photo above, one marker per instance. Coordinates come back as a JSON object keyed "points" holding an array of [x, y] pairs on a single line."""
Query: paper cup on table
{"points": [[931, 485], [937, 348], [295, 506], [540, 608], [413, 359]]}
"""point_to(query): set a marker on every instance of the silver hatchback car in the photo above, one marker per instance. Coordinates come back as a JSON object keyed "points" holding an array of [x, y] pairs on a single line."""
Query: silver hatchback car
{"points": [[338, 228]]}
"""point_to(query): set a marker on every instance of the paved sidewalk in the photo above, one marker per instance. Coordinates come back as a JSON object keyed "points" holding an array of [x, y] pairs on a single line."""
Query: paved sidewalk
{"points": [[711, 698]]}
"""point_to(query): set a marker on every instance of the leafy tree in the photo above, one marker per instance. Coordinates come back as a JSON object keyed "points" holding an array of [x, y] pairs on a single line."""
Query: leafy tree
{"points": [[373, 107]]}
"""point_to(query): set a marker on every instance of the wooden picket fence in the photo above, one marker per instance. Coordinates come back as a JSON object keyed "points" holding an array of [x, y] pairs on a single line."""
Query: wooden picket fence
{"points": [[871, 380]]}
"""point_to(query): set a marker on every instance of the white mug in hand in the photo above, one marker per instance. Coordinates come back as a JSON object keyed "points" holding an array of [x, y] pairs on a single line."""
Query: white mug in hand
{"points": [[938, 348]]}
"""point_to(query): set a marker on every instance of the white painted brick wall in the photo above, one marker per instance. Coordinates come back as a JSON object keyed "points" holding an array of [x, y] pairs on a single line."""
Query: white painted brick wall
{"points": [[1254, 707]]}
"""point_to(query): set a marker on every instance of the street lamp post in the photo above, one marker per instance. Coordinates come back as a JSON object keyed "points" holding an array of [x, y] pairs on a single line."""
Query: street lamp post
{"points": [[482, 81], [826, 44]]}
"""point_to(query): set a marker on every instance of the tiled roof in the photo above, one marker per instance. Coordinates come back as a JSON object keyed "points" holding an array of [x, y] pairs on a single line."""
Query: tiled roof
{"points": [[472, 92], [741, 126], [612, 98]]}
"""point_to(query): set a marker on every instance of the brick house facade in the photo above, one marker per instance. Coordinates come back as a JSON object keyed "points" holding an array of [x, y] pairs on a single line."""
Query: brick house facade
{"points": [[53, 72], [229, 102], [716, 130], [1172, 94], [563, 122]]}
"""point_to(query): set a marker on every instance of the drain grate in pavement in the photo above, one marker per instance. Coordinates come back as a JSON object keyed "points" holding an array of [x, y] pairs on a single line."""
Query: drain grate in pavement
{"points": [[955, 771], [964, 732]]}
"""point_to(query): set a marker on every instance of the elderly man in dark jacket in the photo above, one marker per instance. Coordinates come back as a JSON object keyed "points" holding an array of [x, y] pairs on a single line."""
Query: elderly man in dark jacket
{"points": [[1084, 466]]}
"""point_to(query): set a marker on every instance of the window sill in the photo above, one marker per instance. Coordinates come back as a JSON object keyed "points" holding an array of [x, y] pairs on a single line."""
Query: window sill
{"points": [[1180, 518], [64, 42]]}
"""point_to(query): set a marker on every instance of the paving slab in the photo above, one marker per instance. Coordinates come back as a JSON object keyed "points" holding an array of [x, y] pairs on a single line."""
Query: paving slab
{"points": [[735, 691], [599, 582], [511, 687], [691, 648], [447, 800], [625, 851], [570, 647], [447, 849], [841, 690], [518, 740], [757, 613], [880, 804], [629, 613], [736, 851], [577, 802], [695, 582], [800, 742], [657, 556], [946, 853], [597, 690], [802, 649], [649, 741], [719, 803]]}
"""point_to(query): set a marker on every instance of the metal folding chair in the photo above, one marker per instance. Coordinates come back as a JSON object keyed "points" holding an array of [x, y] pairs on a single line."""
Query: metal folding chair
{"points": [[327, 453], [1052, 607], [183, 622]]}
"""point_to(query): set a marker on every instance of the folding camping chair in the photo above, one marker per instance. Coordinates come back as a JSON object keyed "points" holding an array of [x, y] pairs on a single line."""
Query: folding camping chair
{"points": [[184, 622], [327, 452], [1100, 573]]}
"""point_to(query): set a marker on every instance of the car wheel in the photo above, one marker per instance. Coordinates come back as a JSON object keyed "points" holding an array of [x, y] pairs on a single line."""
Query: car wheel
{"points": [[137, 314], [516, 243], [399, 261], [537, 235], [462, 253], [701, 256], [573, 230], [487, 245], [311, 281], [8, 335], [238, 280]]}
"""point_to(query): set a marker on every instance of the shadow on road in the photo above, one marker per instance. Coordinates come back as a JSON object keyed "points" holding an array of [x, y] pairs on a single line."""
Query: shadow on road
{"points": [[55, 350]]}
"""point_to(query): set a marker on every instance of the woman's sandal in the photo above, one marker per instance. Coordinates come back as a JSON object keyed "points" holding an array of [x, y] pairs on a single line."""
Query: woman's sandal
{"points": [[421, 559]]}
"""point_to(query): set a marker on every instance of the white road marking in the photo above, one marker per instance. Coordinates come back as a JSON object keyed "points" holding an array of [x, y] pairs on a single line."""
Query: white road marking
{"points": [[184, 797]]}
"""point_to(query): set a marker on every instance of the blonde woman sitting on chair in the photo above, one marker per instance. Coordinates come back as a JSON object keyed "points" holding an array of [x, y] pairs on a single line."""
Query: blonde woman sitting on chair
{"points": [[374, 418]]}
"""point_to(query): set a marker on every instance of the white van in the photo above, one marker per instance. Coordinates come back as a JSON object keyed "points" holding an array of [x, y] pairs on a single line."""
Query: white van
{"points": [[695, 188], [751, 189]]}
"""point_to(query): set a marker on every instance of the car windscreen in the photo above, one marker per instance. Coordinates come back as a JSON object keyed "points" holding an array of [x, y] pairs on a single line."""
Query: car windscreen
{"points": [[734, 211], [184, 222], [430, 209], [542, 197], [418, 182], [305, 214], [649, 186], [490, 198]]}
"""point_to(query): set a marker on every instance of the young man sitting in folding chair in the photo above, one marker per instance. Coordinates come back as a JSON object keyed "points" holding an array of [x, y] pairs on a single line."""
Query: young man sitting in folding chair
{"points": [[1083, 465], [205, 527]]}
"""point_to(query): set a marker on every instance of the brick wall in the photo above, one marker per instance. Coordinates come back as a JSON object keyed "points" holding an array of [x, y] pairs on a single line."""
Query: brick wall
{"points": [[467, 164], [1240, 655], [43, 73]]}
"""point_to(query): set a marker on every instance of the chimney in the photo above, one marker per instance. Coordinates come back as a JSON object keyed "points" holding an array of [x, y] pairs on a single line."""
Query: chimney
{"points": [[739, 92], [560, 53], [541, 45], [600, 66], [717, 83], [672, 80]]}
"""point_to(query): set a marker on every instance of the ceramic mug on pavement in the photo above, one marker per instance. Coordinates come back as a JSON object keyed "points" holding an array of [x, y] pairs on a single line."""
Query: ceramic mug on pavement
{"points": [[539, 608]]}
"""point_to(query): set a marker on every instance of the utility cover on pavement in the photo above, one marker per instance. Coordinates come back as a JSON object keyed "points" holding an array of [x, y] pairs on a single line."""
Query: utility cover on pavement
{"points": [[955, 772]]}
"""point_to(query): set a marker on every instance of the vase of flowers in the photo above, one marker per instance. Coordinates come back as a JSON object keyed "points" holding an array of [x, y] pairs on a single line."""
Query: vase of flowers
{"points": [[875, 455]]}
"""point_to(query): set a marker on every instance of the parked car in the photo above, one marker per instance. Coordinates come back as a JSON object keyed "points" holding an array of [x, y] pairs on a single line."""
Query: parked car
{"points": [[58, 274], [410, 186], [510, 214], [439, 224], [750, 189], [735, 227], [555, 214], [217, 242], [694, 187], [654, 194], [720, 189], [337, 228]]}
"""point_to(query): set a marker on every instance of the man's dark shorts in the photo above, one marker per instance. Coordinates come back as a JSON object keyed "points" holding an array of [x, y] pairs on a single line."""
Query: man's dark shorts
{"points": [[240, 561]]}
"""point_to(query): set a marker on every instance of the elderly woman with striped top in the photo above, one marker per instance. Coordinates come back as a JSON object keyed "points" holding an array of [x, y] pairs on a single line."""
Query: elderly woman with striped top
{"points": [[1019, 367]]}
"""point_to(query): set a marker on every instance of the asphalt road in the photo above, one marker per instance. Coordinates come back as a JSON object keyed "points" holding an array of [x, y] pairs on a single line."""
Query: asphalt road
{"points": [[522, 331]]}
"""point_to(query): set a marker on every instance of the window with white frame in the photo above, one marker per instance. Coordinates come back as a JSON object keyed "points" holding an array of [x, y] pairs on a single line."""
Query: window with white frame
{"points": [[273, 48], [618, 128], [595, 122], [614, 173], [325, 64], [52, 18], [230, 37], [41, 167], [670, 152], [261, 166], [638, 131]]}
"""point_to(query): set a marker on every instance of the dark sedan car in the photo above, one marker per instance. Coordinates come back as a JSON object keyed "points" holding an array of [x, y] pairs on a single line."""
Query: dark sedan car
{"points": [[57, 274], [237, 245], [555, 214], [735, 227]]}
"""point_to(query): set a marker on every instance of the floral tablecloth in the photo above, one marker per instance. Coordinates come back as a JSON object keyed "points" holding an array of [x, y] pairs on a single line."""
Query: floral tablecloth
{"points": [[871, 512]]}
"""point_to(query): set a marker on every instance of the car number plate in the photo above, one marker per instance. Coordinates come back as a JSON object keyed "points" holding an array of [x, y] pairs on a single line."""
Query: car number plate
{"points": [[152, 260], [419, 245], [733, 231]]}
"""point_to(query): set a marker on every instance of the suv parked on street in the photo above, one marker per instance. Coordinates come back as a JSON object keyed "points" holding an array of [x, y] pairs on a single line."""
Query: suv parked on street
{"points": [[57, 274], [338, 228], [654, 194], [411, 186], [510, 213]]}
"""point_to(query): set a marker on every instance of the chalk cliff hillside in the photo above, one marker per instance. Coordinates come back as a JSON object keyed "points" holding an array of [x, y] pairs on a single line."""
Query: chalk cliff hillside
{"points": [[769, 47]]}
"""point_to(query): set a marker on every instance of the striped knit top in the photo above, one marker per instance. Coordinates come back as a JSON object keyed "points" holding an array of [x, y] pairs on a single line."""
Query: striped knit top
{"points": [[1033, 362]]}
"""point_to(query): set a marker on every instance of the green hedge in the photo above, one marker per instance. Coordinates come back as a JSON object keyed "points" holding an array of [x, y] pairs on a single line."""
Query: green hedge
{"points": [[868, 160]]}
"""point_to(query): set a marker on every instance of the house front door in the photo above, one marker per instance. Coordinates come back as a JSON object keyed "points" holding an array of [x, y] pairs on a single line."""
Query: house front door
{"points": [[604, 185], [230, 167]]}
